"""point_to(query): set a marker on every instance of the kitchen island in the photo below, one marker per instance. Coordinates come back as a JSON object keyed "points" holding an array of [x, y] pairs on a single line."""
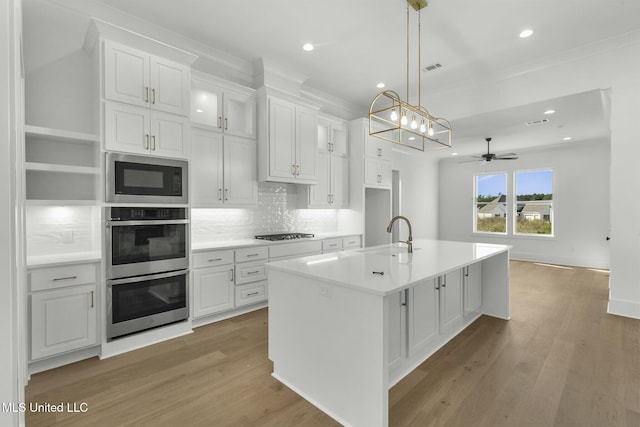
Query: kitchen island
{"points": [[345, 327]]}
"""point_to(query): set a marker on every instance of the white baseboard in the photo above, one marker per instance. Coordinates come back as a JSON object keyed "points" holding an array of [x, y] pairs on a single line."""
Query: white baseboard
{"points": [[624, 308]]}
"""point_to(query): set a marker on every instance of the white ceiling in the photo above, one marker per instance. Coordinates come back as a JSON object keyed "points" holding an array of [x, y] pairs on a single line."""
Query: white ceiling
{"points": [[362, 42]]}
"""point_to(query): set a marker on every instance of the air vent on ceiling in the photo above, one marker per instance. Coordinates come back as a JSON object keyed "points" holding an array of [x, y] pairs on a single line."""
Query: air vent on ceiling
{"points": [[536, 122], [432, 67]]}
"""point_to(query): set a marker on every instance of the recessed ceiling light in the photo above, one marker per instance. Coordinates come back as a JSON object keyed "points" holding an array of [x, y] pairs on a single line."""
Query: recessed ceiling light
{"points": [[198, 110], [550, 111], [308, 47], [454, 154], [380, 85], [526, 33], [566, 138]]}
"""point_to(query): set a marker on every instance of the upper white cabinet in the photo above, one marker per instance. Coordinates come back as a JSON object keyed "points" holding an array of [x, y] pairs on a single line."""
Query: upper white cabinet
{"points": [[224, 170], [139, 78], [332, 168], [371, 159], [332, 136], [224, 110], [288, 139], [144, 131]]}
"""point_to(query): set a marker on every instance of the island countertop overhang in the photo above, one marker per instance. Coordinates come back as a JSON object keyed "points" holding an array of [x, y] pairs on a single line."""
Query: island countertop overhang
{"points": [[387, 269]]}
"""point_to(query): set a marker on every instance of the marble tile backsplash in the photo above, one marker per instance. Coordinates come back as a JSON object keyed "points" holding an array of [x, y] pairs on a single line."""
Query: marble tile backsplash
{"points": [[75, 229], [276, 212], [62, 230]]}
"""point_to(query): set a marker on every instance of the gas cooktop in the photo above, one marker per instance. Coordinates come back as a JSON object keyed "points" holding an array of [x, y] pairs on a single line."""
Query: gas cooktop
{"points": [[284, 236]]}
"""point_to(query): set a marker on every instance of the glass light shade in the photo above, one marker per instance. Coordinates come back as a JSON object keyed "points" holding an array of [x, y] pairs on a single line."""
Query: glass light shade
{"points": [[414, 123], [404, 120], [423, 128]]}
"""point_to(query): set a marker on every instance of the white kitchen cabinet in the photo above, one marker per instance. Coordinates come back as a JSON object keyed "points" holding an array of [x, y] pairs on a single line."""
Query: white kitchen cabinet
{"points": [[332, 188], [331, 245], [224, 170], [450, 288], [213, 290], [64, 309], [332, 136], [143, 131], [251, 275], [377, 173], [288, 142], [413, 321], [422, 314], [223, 110], [139, 78], [61, 166], [472, 289]]}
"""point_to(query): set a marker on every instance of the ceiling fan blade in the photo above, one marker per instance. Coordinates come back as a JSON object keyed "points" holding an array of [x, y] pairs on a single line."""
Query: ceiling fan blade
{"points": [[472, 161], [506, 158], [508, 154]]}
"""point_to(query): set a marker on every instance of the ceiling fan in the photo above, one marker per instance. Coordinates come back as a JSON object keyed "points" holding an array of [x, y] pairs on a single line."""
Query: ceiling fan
{"points": [[491, 156]]}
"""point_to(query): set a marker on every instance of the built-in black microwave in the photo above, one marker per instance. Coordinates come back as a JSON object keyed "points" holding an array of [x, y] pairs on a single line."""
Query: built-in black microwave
{"points": [[145, 179]]}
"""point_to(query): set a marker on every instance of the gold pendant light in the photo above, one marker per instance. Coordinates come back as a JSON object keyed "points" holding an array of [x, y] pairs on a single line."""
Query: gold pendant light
{"points": [[395, 120]]}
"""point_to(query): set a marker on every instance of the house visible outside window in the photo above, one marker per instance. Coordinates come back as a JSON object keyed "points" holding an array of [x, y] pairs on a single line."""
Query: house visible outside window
{"points": [[491, 203], [534, 202]]}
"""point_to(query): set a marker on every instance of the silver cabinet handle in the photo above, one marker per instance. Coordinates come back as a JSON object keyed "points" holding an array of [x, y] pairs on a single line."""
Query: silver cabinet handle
{"points": [[65, 278], [379, 152], [226, 123], [91, 299], [153, 91], [214, 260], [252, 255], [146, 144], [153, 139], [219, 193], [293, 170], [379, 178], [146, 94], [219, 122], [253, 293], [226, 194], [233, 278], [253, 272]]}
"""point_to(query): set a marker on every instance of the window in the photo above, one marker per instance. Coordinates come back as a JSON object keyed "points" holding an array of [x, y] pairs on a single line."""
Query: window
{"points": [[491, 203], [534, 202]]}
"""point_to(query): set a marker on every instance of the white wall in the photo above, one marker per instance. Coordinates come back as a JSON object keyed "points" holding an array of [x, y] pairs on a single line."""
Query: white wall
{"points": [[418, 192], [11, 363], [617, 67], [580, 200]]}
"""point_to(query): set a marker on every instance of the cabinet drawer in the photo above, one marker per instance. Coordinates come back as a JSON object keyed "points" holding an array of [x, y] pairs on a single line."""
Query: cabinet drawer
{"points": [[212, 258], [252, 254], [252, 293], [351, 242], [295, 249], [331, 245], [250, 272], [62, 276]]}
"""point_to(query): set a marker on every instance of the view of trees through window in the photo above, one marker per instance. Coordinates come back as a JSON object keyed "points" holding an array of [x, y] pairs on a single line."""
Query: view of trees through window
{"points": [[534, 202], [533, 210], [491, 203]]}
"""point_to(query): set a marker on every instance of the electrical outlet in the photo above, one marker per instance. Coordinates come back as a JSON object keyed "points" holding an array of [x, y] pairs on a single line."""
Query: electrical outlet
{"points": [[325, 291], [66, 235]]}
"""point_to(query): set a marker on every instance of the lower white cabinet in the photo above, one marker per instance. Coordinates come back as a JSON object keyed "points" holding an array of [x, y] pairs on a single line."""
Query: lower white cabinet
{"points": [[64, 309], [450, 287], [422, 306], [251, 293], [472, 289], [213, 290]]}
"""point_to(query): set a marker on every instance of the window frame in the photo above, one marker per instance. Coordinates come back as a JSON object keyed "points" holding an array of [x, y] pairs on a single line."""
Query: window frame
{"points": [[514, 209], [475, 205], [512, 204]]}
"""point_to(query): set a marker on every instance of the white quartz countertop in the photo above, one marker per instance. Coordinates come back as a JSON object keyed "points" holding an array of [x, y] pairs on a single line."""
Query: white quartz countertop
{"points": [[387, 269], [242, 243]]}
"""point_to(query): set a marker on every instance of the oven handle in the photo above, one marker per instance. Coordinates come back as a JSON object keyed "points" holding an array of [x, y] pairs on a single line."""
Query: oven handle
{"points": [[152, 222], [111, 282]]}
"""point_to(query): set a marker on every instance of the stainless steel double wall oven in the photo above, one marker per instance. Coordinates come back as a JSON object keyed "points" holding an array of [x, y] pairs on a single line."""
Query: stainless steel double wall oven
{"points": [[147, 247]]}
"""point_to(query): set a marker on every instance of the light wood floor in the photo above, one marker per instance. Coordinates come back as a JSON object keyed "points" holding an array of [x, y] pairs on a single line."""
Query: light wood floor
{"points": [[560, 361]]}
